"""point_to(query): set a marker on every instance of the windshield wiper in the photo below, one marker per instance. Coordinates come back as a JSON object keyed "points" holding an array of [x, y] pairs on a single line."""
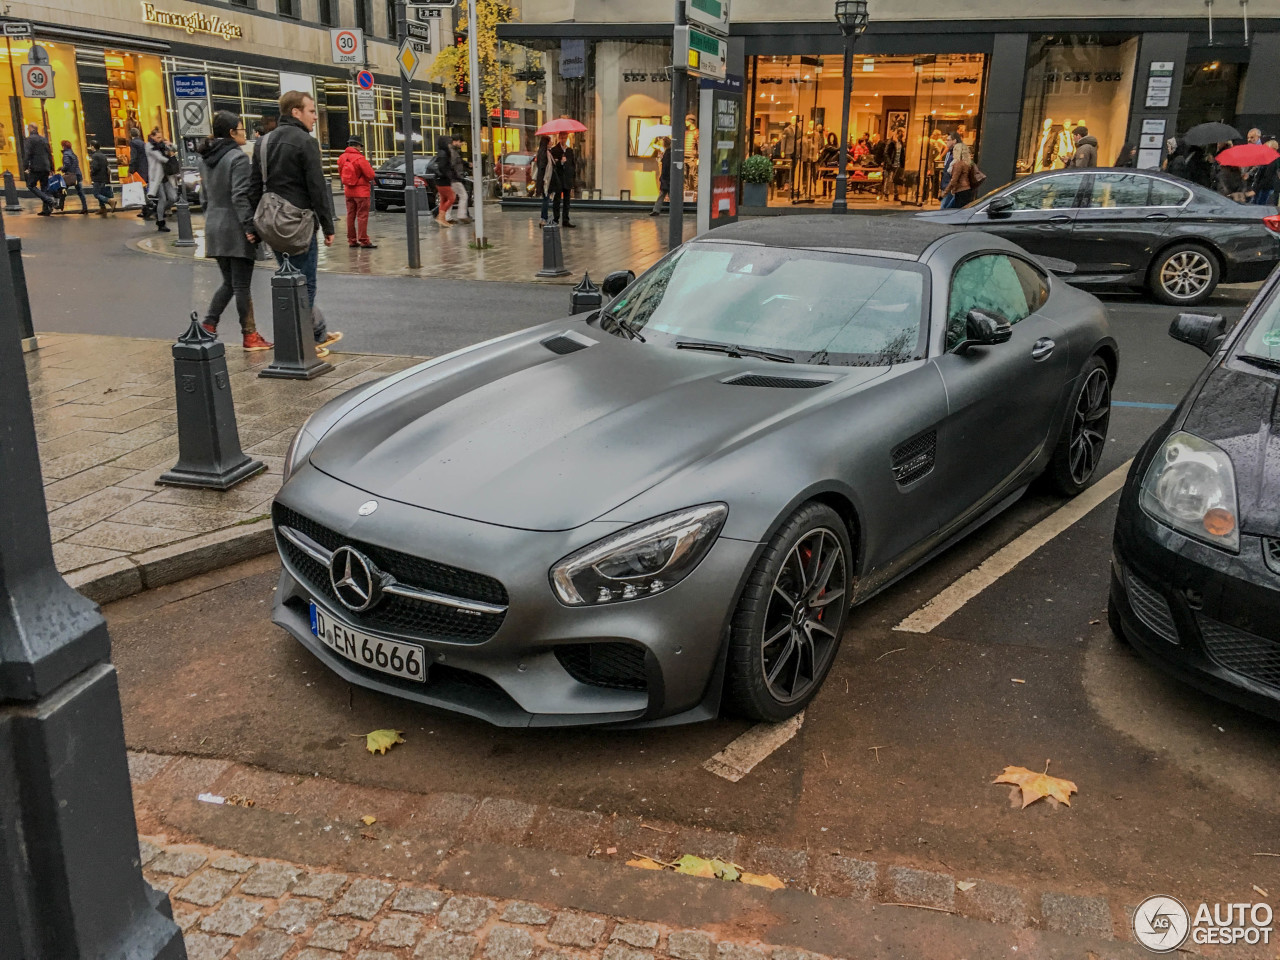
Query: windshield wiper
{"points": [[1267, 363], [731, 350], [626, 327]]}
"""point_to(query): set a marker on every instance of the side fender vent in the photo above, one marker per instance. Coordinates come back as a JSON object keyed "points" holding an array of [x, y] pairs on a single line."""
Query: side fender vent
{"points": [[564, 344], [914, 459], [777, 383]]}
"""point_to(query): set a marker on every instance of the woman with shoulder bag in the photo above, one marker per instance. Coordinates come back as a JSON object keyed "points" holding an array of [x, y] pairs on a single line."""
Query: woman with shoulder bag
{"points": [[160, 192], [71, 174], [961, 187]]}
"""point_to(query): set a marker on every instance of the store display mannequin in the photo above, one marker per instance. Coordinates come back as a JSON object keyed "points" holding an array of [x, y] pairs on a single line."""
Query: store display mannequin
{"points": [[1066, 145], [1046, 148], [690, 153]]}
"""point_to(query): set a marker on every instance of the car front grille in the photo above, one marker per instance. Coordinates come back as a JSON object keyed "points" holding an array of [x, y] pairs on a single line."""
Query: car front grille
{"points": [[1271, 552], [400, 615], [1151, 608], [619, 666], [1247, 654]]}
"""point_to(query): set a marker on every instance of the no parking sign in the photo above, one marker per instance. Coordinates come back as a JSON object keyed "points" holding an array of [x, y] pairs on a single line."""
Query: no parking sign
{"points": [[37, 80]]}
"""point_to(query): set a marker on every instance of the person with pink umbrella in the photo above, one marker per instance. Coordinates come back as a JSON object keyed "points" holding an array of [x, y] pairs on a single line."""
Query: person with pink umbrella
{"points": [[564, 166]]}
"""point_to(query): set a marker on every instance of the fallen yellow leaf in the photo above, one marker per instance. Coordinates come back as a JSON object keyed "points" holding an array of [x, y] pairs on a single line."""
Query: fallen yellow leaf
{"points": [[368, 821], [380, 741], [1037, 785], [644, 863], [767, 880], [696, 867]]}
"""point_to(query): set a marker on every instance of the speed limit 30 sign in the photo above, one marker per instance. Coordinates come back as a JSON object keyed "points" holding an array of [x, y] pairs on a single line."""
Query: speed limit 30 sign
{"points": [[37, 80], [347, 45]]}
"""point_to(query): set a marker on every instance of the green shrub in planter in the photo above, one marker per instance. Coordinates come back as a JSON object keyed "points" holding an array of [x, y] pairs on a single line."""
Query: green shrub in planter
{"points": [[757, 169]]}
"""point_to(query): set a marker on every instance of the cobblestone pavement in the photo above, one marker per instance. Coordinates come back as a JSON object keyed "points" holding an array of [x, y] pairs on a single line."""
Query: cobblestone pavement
{"points": [[105, 414]]}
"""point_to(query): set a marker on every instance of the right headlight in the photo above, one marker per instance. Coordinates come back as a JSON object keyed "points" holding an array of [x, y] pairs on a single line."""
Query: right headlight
{"points": [[1191, 486]]}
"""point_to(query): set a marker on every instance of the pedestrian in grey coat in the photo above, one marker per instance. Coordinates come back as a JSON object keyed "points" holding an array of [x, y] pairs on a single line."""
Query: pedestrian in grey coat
{"points": [[229, 238]]}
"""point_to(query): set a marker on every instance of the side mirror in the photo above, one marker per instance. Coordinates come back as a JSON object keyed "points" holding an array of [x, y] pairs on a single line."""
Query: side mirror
{"points": [[984, 328], [616, 282], [1203, 330], [1000, 207]]}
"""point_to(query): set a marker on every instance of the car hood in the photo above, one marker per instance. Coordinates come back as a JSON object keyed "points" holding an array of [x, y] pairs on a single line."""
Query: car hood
{"points": [[518, 436], [1240, 412]]}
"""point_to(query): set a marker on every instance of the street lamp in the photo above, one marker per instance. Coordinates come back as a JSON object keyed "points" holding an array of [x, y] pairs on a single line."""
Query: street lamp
{"points": [[852, 17]]}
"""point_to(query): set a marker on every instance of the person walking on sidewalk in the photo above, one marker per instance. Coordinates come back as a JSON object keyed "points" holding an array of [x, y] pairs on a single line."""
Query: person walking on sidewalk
{"points": [[37, 168], [664, 178], [444, 179], [161, 160], [100, 174], [138, 165], [564, 174], [71, 174], [356, 174], [296, 173], [229, 238], [459, 212]]}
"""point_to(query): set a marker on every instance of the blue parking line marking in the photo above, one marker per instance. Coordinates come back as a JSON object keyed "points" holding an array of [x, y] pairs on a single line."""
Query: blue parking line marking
{"points": [[1144, 406]]}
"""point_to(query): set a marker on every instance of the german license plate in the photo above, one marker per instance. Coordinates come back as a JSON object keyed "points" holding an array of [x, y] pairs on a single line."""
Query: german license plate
{"points": [[405, 660]]}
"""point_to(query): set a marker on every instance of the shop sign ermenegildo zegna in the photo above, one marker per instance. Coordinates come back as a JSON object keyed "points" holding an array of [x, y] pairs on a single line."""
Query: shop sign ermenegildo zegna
{"points": [[192, 23]]}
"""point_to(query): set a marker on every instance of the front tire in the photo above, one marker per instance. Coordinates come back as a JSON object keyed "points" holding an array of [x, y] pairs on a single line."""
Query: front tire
{"points": [[786, 629], [1084, 432], [380, 206], [1184, 275]]}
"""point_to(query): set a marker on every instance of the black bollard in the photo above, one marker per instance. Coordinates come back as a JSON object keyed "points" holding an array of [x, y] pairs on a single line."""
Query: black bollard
{"points": [[185, 237], [209, 453], [552, 253], [11, 204], [19, 274], [295, 352], [586, 296]]}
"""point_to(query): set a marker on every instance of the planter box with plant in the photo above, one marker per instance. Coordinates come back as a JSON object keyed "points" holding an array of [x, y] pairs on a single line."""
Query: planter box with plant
{"points": [[757, 171]]}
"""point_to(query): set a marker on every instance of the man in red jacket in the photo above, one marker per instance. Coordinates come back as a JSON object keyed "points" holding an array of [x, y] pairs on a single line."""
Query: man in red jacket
{"points": [[356, 175]]}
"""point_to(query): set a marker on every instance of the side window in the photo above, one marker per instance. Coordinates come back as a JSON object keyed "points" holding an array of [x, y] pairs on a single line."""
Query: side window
{"points": [[1120, 190], [1034, 285], [1049, 193], [1167, 194], [986, 282]]}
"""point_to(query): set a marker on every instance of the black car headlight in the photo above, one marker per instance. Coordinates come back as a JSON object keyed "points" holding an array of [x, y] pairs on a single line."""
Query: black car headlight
{"points": [[641, 560], [300, 447], [1191, 486]]}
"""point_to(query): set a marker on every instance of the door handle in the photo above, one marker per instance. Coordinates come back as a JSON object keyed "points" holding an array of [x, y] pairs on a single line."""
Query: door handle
{"points": [[1060, 218], [1042, 348], [1157, 216]]}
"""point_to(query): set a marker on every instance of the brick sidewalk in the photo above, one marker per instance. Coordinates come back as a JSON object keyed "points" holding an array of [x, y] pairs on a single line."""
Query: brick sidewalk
{"points": [[106, 425]]}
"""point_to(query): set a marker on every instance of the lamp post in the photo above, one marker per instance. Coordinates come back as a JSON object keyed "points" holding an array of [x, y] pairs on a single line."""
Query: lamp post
{"points": [[852, 17]]}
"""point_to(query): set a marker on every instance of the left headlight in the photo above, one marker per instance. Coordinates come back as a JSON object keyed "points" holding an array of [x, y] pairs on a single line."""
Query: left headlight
{"points": [[300, 448], [1191, 486], [639, 561]]}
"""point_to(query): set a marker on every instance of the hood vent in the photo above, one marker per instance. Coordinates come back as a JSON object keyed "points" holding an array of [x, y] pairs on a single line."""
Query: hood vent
{"points": [[563, 343], [777, 383]]}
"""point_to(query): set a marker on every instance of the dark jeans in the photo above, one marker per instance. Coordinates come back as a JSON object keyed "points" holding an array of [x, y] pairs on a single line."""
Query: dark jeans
{"points": [[306, 262], [963, 197], [555, 205], [38, 183], [79, 189], [103, 193], [546, 206], [1262, 197], [237, 276]]}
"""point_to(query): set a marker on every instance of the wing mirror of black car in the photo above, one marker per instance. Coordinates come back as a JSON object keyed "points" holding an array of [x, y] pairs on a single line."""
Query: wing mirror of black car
{"points": [[1000, 207], [616, 282], [983, 328], [1203, 330]]}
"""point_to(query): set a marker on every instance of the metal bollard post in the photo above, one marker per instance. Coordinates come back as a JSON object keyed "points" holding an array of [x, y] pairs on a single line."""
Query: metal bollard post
{"points": [[552, 253], [209, 453], [19, 273], [295, 351], [11, 204], [585, 297], [185, 237]]}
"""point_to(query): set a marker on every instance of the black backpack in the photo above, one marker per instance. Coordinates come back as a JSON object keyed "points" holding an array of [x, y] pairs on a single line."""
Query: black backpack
{"points": [[172, 166]]}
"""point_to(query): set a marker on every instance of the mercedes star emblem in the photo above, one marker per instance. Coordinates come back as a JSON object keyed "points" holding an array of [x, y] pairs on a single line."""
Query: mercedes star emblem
{"points": [[355, 579], [367, 507]]}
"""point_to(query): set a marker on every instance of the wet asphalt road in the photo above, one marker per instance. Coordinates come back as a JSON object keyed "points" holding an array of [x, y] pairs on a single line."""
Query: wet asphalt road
{"points": [[1176, 789]]}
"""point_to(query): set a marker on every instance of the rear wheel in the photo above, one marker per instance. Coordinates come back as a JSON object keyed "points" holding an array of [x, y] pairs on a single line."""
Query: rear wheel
{"points": [[380, 206], [1184, 275], [1084, 433], [787, 627]]}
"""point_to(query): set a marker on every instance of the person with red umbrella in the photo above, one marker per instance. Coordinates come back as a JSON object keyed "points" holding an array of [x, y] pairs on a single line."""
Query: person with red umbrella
{"points": [[1255, 155]]}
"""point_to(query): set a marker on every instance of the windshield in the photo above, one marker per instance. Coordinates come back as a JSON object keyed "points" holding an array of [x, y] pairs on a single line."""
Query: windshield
{"points": [[396, 165], [1264, 339], [813, 307]]}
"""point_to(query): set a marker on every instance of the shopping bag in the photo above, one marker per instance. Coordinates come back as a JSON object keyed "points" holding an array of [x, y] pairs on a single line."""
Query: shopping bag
{"points": [[133, 195]]}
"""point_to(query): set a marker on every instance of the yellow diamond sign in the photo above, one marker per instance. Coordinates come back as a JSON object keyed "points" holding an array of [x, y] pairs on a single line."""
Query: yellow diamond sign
{"points": [[408, 59]]}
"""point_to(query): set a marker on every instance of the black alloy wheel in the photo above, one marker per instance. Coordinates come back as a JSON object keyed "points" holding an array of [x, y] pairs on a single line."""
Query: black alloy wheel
{"points": [[1084, 434], [787, 628]]}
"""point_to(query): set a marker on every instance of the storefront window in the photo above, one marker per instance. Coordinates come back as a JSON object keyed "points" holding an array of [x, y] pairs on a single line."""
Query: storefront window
{"points": [[59, 117], [1075, 81], [914, 100], [1210, 92]]}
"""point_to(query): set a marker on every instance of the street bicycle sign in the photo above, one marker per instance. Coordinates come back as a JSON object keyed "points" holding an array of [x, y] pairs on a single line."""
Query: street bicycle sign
{"points": [[37, 80], [346, 44]]}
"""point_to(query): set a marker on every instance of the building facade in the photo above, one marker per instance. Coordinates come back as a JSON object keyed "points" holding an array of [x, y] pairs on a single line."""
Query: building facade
{"points": [[1013, 84], [115, 63]]}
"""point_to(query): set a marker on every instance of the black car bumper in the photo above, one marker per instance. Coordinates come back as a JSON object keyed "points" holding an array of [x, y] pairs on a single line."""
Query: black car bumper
{"points": [[1208, 617]]}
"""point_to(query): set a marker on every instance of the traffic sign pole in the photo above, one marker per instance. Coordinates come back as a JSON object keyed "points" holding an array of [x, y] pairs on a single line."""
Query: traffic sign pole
{"points": [[679, 103], [410, 181], [477, 154]]}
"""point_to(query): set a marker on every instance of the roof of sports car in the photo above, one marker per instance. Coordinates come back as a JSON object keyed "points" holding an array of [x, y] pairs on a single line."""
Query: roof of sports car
{"points": [[892, 234]]}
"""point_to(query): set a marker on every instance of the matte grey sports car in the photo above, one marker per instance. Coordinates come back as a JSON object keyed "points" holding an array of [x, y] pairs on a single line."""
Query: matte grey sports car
{"points": [[643, 514]]}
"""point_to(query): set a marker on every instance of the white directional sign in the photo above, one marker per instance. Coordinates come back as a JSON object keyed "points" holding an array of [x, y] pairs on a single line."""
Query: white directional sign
{"points": [[700, 53], [37, 80], [710, 15], [366, 106], [347, 45]]}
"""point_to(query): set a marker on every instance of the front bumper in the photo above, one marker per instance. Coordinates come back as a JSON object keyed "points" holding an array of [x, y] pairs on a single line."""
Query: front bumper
{"points": [[1208, 617], [525, 669]]}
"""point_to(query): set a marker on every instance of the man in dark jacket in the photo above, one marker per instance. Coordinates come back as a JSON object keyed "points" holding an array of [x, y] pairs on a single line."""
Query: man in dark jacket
{"points": [[100, 175], [37, 166], [296, 173], [138, 164], [564, 174], [1086, 154]]}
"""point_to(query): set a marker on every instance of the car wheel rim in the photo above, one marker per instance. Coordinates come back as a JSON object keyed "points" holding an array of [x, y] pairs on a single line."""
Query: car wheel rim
{"points": [[802, 617], [1186, 274], [1089, 426]]}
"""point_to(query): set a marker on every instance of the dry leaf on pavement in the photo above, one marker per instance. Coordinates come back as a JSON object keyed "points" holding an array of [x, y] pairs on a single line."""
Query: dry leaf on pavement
{"points": [[368, 821], [1037, 785], [380, 741], [695, 866], [644, 863], [767, 880]]}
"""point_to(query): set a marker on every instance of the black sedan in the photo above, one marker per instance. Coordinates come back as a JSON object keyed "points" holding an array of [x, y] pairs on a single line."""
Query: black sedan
{"points": [[1195, 579], [388, 184], [1131, 228]]}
